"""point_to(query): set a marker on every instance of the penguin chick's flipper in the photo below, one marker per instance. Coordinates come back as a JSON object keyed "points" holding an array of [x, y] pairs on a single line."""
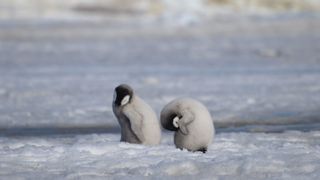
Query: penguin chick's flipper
{"points": [[136, 120], [187, 118]]}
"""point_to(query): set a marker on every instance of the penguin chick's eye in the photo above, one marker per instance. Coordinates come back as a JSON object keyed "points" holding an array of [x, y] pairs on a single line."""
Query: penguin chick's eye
{"points": [[175, 122], [125, 100]]}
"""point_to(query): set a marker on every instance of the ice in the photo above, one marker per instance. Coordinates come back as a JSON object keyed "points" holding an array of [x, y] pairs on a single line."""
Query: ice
{"points": [[233, 155]]}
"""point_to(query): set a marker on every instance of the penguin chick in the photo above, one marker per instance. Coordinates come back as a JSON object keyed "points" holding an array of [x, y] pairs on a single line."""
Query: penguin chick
{"points": [[192, 123], [138, 122]]}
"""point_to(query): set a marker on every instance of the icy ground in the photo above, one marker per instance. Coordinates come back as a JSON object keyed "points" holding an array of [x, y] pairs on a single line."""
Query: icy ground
{"points": [[290, 155], [259, 77]]}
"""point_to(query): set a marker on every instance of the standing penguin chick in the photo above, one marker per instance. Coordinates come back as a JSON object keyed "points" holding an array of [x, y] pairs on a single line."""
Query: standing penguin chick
{"points": [[192, 123], [138, 122]]}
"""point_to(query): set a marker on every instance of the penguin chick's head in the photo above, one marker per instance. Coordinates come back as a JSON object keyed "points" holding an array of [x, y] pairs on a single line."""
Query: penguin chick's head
{"points": [[170, 121], [122, 95]]}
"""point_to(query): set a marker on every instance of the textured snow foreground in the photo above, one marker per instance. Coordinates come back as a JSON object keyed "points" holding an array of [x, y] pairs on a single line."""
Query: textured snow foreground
{"points": [[290, 155], [258, 76]]}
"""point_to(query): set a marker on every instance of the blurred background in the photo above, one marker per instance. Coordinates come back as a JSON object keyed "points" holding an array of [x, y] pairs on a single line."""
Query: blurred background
{"points": [[254, 63]]}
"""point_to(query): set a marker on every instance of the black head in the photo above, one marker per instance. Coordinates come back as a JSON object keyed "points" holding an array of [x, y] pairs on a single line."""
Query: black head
{"points": [[122, 95], [167, 120]]}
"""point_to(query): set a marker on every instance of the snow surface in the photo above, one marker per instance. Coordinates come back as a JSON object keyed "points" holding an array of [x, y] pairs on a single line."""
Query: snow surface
{"points": [[290, 155], [259, 78]]}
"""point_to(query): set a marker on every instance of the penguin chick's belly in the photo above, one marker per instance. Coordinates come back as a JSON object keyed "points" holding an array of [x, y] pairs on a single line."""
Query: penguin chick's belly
{"points": [[198, 138], [152, 134], [150, 126]]}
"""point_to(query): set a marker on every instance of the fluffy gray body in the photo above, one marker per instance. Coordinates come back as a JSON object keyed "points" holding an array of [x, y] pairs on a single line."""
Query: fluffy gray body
{"points": [[138, 122], [193, 126]]}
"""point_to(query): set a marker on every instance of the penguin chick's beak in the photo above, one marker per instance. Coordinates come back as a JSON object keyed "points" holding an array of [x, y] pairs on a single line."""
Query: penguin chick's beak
{"points": [[175, 122]]}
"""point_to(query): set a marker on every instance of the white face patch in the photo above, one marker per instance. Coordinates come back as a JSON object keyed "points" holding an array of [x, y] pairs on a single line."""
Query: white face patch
{"points": [[175, 122], [125, 100]]}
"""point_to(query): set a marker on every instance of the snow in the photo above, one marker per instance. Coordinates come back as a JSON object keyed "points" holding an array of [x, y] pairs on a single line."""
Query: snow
{"points": [[258, 76], [289, 155]]}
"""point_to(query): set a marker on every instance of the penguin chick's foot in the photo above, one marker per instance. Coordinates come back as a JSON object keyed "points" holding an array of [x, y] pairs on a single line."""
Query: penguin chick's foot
{"points": [[203, 150]]}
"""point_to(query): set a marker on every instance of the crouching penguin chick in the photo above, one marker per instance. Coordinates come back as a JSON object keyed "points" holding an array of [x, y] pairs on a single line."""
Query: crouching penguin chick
{"points": [[192, 123]]}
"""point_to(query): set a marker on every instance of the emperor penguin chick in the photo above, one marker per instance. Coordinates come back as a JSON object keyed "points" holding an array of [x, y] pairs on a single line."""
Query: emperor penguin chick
{"points": [[138, 122], [192, 123]]}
